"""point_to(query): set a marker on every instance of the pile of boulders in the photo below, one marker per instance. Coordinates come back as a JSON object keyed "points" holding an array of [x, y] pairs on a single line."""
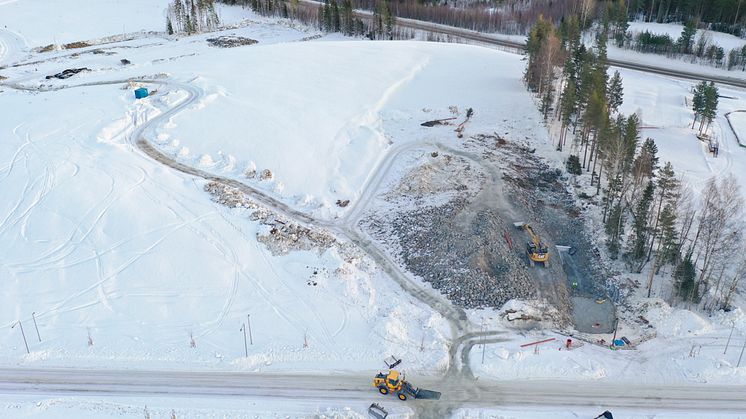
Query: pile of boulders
{"points": [[230, 41], [434, 230], [279, 235]]}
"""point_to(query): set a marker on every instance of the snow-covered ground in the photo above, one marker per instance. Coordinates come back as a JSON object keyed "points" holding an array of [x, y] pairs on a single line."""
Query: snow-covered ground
{"points": [[102, 407], [738, 122], [664, 106], [121, 259], [88, 20]]}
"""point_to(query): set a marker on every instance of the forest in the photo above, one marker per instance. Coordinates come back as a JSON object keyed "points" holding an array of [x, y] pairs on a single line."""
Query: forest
{"points": [[651, 218]]}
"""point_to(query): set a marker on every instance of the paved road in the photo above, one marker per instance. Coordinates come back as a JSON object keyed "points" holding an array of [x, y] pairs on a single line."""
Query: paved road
{"points": [[351, 388]]}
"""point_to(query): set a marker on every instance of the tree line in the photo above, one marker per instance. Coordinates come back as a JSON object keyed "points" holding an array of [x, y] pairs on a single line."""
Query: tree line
{"points": [[651, 219], [722, 15], [191, 16], [701, 49], [334, 16]]}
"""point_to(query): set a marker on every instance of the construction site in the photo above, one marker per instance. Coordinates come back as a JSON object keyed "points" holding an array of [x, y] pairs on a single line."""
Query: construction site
{"points": [[490, 222]]}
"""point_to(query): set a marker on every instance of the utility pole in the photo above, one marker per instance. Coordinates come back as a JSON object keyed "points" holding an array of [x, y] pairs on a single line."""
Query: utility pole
{"points": [[33, 316], [22, 334], [251, 339], [731, 334], [483, 341], [741, 356], [245, 347]]}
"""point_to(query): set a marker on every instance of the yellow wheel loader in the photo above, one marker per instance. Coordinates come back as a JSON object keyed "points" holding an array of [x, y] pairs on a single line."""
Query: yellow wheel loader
{"points": [[393, 382]]}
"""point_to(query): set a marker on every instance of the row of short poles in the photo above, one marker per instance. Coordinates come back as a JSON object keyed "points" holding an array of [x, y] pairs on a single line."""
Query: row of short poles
{"points": [[19, 324], [243, 329]]}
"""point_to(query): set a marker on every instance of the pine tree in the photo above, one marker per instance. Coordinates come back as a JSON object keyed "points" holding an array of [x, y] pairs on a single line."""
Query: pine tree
{"points": [[327, 16], [615, 93], [640, 229], [668, 244], [348, 21], [169, 26], [336, 22], [321, 17], [613, 230], [388, 20], [668, 194], [647, 161], [602, 61]]}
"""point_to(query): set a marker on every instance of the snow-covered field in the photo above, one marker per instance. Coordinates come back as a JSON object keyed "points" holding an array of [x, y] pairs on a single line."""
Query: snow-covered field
{"points": [[89, 20], [727, 41], [664, 106], [126, 263], [738, 122]]}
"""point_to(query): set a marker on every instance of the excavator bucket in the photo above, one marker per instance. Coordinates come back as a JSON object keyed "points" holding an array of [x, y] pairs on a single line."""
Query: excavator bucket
{"points": [[377, 411], [519, 224]]}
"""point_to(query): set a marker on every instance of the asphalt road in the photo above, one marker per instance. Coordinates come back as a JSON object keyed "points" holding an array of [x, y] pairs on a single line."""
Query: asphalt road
{"points": [[349, 388]]}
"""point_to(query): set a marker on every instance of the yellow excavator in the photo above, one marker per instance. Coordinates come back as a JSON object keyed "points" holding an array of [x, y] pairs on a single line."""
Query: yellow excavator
{"points": [[394, 382], [535, 249]]}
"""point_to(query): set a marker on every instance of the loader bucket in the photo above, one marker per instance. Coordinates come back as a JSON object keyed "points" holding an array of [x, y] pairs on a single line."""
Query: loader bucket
{"points": [[427, 394], [519, 224], [392, 362], [377, 411], [563, 248]]}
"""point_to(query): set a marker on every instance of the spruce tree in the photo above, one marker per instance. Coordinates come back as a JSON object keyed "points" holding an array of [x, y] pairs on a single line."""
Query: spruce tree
{"points": [[698, 101], [684, 280], [711, 103], [685, 43]]}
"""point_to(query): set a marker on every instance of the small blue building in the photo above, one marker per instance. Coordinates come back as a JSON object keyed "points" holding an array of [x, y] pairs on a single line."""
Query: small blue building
{"points": [[141, 93]]}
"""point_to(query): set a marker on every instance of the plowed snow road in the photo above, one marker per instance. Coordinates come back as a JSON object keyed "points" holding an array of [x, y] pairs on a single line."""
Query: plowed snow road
{"points": [[355, 387]]}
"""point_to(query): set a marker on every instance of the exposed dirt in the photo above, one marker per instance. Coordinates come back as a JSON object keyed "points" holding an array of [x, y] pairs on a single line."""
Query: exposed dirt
{"points": [[74, 45], [442, 225], [230, 41], [539, 194]]}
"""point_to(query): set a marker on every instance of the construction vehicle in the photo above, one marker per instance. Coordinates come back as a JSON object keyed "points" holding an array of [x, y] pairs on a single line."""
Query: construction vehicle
{"points": [[394, 382], [535, 249]]}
